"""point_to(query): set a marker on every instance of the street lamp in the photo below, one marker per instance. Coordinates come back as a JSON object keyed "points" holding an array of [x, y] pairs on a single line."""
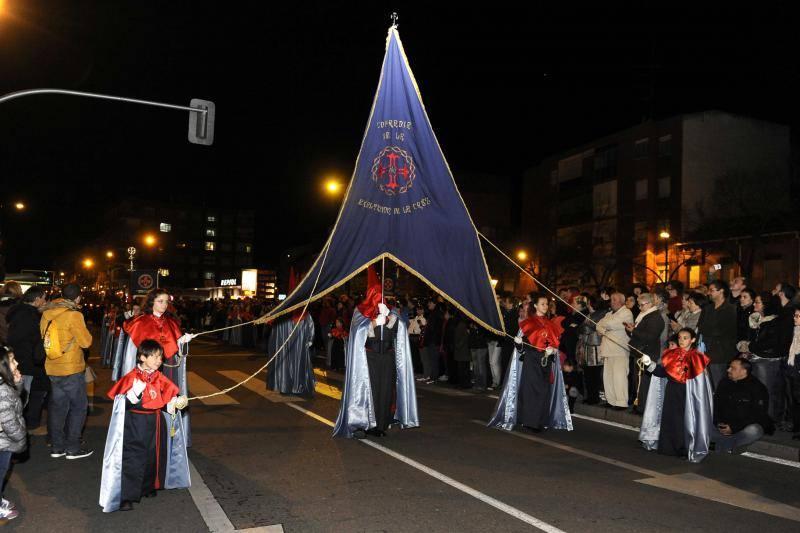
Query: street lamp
{"points": [[333, 187], [665, 235], [110, 254], [88, 263], [522, 255], [150, 240], [19, 206]]}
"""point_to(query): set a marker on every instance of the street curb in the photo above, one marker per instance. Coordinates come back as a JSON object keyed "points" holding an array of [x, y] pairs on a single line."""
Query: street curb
{"points": [[766, 446]]}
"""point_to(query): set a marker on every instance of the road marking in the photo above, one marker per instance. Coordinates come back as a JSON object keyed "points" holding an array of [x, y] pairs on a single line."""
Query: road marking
{"points": [[213, 515], [258, 386], [606, 422], [776, 460], [201, 387], [688, 483], [497, 504]]}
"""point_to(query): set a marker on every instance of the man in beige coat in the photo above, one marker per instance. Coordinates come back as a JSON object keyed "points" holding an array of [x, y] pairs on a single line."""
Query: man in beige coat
{"points": [[614, 351]]}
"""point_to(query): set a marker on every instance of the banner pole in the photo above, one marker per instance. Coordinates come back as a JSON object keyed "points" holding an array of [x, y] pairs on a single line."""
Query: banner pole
{"points": [[383, 286]]}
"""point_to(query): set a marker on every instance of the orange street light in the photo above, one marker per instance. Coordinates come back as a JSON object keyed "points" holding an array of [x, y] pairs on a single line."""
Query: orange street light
{"points": [[333, 187], [664, 235], [149, 240], [19, 205], [522, 255], [110, 254], [88, 263]]}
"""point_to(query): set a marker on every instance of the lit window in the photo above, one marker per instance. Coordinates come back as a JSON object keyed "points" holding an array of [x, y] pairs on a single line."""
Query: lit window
{"points": [[248, 248], [182, 245], [210, 246], [208, 274], [211, 218], [211, 232], [165, 228]]}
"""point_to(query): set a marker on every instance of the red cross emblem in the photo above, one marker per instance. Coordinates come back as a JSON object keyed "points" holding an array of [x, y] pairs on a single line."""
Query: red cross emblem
{"points": [[393, 170]]}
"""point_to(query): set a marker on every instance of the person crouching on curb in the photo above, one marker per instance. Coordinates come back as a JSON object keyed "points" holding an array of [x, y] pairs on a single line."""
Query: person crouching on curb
{"points": [[13, 435], [146, 445]]}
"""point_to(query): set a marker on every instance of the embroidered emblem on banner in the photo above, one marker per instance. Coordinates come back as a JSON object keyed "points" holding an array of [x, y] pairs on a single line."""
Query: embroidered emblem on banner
{"points": [[393, 170]]}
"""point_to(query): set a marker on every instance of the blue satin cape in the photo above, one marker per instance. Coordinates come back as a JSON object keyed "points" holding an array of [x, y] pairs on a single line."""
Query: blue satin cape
{"points": [[357, 410], [292, 372], [177, 475], [505, 413]]}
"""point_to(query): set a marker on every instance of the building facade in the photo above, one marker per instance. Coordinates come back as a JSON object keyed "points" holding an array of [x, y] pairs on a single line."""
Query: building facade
{"points": [[618, 210]]}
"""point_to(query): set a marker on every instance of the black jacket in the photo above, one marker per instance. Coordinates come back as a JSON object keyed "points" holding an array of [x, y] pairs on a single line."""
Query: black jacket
{"points": [[26, 340], [647, 336], [741, 403], [718, 328]]}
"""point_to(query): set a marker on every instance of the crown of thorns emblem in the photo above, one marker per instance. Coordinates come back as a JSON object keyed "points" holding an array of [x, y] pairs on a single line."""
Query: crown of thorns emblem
{"points": [[393, 170]]}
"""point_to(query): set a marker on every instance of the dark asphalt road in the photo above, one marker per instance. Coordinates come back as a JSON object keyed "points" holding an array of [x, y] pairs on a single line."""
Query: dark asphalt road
{"points": [[266, 463]]}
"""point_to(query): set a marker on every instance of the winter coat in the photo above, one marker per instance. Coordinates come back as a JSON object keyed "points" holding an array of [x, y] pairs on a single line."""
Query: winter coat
{"points": [[25, 339], [72, 333], [718, 328], [6, 303], [13, 434], [612, 328], [461, 341], [646, 336], [741, 403]]}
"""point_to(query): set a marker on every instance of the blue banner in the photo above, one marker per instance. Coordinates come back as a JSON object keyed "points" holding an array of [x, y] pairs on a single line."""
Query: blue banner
{"points": [[403, 204]]}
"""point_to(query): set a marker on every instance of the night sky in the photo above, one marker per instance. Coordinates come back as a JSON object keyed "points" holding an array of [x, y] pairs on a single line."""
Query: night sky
{"points": [[293, 88]]}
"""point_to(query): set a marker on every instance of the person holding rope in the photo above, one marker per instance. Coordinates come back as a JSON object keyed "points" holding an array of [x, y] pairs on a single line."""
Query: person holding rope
{"points": [[645, 334], [145, 449], [379, 369], [677, 418], [534, 395]]}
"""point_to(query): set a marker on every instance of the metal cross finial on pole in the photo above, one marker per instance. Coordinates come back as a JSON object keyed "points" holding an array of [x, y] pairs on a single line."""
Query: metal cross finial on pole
{"points": [[394, 18]]}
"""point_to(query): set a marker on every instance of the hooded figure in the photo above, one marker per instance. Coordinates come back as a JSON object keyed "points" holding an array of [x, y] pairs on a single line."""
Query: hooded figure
{"points": [[378, 361], [678, 413], [292, 372], [534, 394]]}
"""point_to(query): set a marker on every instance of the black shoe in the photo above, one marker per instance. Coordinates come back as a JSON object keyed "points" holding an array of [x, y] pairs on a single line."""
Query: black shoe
{"points": [[359, 434], [376, 432], [126, 506], [533, 429], [80, 454], [151, 494]]}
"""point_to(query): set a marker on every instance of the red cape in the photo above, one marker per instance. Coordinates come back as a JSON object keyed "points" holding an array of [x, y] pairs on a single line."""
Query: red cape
{"points": [[541, 331], [165, 329], [158, 391], [683, 366]]}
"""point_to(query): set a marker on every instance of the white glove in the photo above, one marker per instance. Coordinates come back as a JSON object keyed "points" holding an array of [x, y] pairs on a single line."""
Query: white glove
{"points": [[550, 350], [138, 387], [171, 406], [382, 309], [743, 347], [186, 337], [380, 320], [132, 397], [518, 340], [646, 361]]}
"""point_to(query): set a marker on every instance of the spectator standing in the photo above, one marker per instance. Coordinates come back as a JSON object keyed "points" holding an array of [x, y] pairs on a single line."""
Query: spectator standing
{"points": [[675, 294], [745, 307], [717, 329], [65, 336], [588, 353], [26, 342], [461, 350], [738, 285], [10, 295], [479, 350], [13, 437], [645, 337], [416, 325], [431, 342], [614, 351]]}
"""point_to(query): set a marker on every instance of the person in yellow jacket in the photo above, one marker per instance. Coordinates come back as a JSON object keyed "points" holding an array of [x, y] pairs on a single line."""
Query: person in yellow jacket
{"points": [[64, 335]]}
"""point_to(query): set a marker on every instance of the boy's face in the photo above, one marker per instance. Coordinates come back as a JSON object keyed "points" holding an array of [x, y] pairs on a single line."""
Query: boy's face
{"points": [[152, 362]]}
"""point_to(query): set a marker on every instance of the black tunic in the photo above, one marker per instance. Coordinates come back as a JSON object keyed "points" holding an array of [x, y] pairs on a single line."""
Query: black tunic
{"points": [[144, 452], [534, 385], [382, 371]]}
